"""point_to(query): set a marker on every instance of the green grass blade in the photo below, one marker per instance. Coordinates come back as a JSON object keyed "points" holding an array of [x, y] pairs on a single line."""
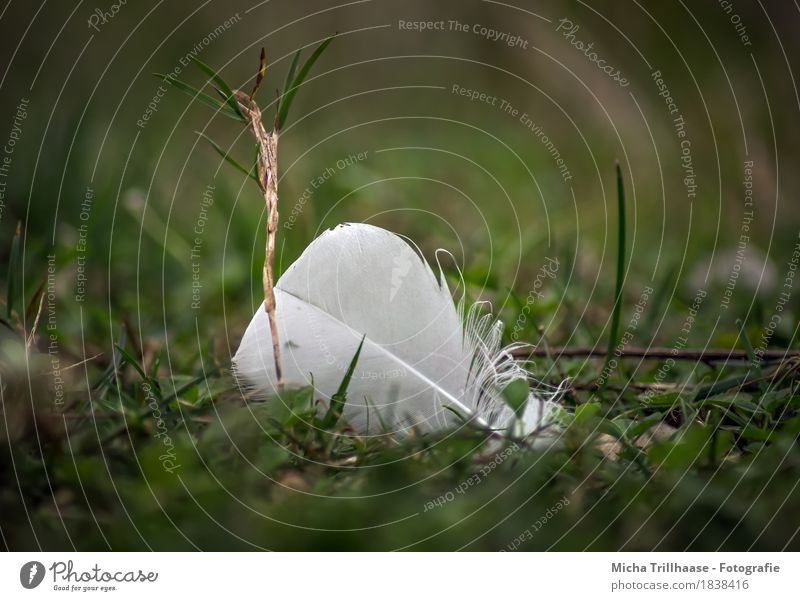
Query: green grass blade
{"points": [[177, 392], [290, 74], [289, 95], [231, 161], [709, 390], [613, 336], [13, 267], [748, 347], [340, 397], [224, 89], [198, 95], [132, 361], [117, 362]]}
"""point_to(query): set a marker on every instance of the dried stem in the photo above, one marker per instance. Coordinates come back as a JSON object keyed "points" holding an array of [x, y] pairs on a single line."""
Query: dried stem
{"points": [[268, 182], [32, 335], [687, 354]]}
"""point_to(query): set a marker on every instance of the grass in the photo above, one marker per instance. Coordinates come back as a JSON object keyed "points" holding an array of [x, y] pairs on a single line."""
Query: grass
{"points": [[154, 448], [152, 458], [614, 335]]}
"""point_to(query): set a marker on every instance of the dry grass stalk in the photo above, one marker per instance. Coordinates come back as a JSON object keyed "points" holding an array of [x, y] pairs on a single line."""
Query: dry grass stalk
{"points": [[268, 182]]}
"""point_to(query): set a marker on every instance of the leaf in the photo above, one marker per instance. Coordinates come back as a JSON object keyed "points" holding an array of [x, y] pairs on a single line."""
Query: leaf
{"points": [[665, 400], [753, 433], [773, 399], [190, 384], [132, 361], [631, 452], [612, 428], [729, 383], [262, 70], [613, 336], [740, 400], [270, 458], [196, 94], [246, 430], [288, 97], [290, 74], [117, 361], [230, 160], [516, 395], [340, 397], [639, 427], [748, 347], [686, 447], [585, 413], [300, 406], [224, 88]]}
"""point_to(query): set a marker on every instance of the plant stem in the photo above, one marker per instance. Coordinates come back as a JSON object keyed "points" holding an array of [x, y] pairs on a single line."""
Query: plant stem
{"points": [[268, 182], [613, 336], [713, 355]]}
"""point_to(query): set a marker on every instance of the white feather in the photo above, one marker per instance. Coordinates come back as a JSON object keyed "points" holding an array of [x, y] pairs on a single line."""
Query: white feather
{"points": [[421, 354]]}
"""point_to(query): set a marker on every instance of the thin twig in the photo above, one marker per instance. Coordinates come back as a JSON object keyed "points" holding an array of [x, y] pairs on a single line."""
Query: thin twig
{"points": [[32, 335], [687, 354], [627, 386], [92, 358]]}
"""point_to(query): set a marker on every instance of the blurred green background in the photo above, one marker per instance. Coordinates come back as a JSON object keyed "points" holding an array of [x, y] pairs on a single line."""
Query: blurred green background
{"points": [[447, 171], [110, 176]]}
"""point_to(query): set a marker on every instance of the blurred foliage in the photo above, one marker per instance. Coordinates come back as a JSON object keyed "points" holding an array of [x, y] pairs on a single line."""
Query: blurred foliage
{"points": [[148, 461], [708, 461]]}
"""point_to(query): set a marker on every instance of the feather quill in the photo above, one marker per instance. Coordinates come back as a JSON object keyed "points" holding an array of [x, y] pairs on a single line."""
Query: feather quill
{"points": [[424, 361]]}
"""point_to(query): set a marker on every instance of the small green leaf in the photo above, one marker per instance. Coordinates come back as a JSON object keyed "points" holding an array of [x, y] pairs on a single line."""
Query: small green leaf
{"points": [[516, 396], [586, 412], [301, 407], [617, 430], [666, 400], [290, 74], [208, 372], [748, 347], [612, 428], [339, 398], [752, 433], [224, 88], [772, 400], [691, 445], [231, 161], [131, 360], [639, 427], [729, 383], [288, 97], [270, 458], [198, 95], [740, 400]]}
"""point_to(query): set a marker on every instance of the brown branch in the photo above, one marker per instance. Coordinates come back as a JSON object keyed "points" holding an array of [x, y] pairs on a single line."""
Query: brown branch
{"points": [[687, 354], [662, 387], [268, 182]]}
